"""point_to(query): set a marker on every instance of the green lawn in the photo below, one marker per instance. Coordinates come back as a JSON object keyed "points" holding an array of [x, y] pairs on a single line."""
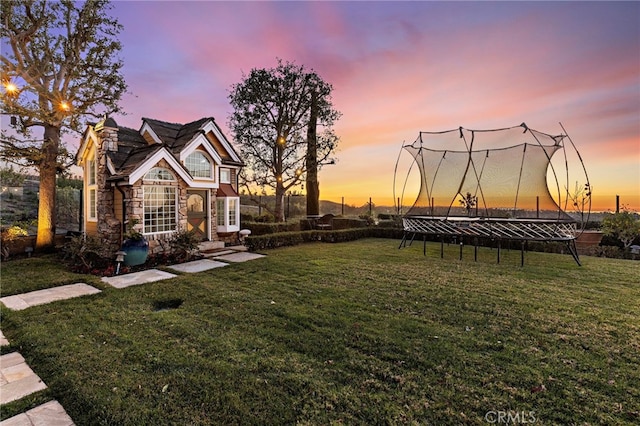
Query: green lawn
{"points": [[350, 333]]}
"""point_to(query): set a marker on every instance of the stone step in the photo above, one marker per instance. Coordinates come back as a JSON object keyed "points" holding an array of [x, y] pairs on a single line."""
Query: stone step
{"points": [[216, 253], [210, 245]]}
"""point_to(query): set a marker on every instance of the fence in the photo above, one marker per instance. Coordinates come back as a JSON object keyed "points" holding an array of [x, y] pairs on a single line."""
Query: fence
{"points": [[295, 207]]}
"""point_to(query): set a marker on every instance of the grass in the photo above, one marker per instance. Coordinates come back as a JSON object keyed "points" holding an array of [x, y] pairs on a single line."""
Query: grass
{"points": [[351, 333]]}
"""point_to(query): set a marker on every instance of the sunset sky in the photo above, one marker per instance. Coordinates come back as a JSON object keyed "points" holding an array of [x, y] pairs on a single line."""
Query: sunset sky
{"points": [[398, 68]]}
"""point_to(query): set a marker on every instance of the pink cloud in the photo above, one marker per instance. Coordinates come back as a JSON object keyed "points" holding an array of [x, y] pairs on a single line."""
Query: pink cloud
{"points": [[398, 68]]}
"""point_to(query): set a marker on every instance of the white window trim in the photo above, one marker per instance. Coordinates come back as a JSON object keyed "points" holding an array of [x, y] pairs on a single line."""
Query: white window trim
{"points": [[211, 164], [157, 183], [200, 142], [92, 187], [226, 227], [226, 180]]}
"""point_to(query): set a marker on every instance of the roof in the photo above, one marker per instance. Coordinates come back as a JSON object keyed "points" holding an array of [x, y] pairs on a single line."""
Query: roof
{"points": [[134, 150], [226, 190]]}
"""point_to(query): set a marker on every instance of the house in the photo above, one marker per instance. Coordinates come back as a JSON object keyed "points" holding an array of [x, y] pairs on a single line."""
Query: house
{"points": [[165, 176]]}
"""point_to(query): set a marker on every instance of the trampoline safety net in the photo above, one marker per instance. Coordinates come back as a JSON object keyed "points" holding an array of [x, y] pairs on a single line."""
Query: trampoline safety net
{"points": [[498, 184]]}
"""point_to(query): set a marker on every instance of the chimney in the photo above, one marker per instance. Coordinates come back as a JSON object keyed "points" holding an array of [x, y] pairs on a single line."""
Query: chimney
{"points": [[107, 130]]}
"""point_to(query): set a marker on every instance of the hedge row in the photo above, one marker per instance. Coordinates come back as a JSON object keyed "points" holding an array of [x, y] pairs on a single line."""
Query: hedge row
{"points": [[283, 239], [258, 228]]}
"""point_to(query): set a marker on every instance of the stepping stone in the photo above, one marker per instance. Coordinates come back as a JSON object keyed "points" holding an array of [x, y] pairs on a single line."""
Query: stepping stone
{"points": [[3, 340], [239, 257], [17, 379], [41, 297], [217, 253], [48, 414], [238, 248], [136, 278], [197, 265]]}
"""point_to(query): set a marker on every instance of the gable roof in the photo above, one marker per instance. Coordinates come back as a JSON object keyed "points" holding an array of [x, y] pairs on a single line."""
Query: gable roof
{"points": [[137, 147]]}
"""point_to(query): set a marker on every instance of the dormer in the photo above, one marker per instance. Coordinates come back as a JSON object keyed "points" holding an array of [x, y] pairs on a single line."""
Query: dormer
{"points": [[219, 142], [149, 135]]}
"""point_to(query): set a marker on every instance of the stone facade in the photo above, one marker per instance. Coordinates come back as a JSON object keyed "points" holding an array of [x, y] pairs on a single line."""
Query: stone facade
{"points": [[118, 200], [109, 227]]}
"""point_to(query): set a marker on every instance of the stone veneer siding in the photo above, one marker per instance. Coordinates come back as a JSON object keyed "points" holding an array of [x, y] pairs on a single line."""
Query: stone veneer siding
{"points": [[109, 228]]}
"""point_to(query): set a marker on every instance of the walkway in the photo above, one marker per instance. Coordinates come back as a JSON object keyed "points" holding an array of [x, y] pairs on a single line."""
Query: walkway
{"points": [[18, 380], [40, 297]]}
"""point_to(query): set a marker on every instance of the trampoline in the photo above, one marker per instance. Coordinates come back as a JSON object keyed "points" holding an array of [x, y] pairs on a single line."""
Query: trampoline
{"points": [[509, 184]]}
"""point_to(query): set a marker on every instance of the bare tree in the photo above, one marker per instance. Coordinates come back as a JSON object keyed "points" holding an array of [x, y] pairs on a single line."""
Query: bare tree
{"points": [[59, 64], [270, 122]]}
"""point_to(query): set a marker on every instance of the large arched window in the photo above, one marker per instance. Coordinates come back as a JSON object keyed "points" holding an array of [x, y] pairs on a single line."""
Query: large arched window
{"points": [[160, 201], [199, 165], [159, 173]]}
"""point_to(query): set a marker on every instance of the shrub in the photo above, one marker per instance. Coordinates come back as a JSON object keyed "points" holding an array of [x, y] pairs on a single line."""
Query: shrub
{"points": [[624, 225], [612, 252], [282, 239], [8, 236], [265, 218], [87, 254], [368, 218], [183, 244], [9, 177], [258, 228]]}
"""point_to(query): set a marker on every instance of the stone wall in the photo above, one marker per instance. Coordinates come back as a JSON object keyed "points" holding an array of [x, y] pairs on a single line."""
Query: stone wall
{"points": [[109, 227]]}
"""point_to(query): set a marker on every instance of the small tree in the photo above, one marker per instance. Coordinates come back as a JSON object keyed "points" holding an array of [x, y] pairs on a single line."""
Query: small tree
{"points": [[59, 64], [271, 123], [468, 202], [9, 177], [624, 225]]}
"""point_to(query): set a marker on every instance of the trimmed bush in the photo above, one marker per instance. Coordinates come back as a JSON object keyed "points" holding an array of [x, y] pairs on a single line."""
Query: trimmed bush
{"points": [[283, 239], [258, 228]]}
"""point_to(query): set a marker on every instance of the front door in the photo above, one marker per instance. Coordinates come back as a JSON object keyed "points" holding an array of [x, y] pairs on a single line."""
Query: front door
{"points": [[197, 209]]}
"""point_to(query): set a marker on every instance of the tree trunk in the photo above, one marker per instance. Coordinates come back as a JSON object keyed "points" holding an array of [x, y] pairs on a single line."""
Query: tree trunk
{"points": [[313, 187], [47, 193], [279, 210]]}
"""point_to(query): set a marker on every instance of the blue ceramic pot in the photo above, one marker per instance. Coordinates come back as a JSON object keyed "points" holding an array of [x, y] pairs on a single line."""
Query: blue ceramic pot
{"points": [[137, 252]]}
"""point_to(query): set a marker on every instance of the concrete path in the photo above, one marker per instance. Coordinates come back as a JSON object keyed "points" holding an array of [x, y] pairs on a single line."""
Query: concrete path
{"points": [[48, 414], [17, 379], [40, 297], [239, 257], [136, 278], [197, 265]]}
